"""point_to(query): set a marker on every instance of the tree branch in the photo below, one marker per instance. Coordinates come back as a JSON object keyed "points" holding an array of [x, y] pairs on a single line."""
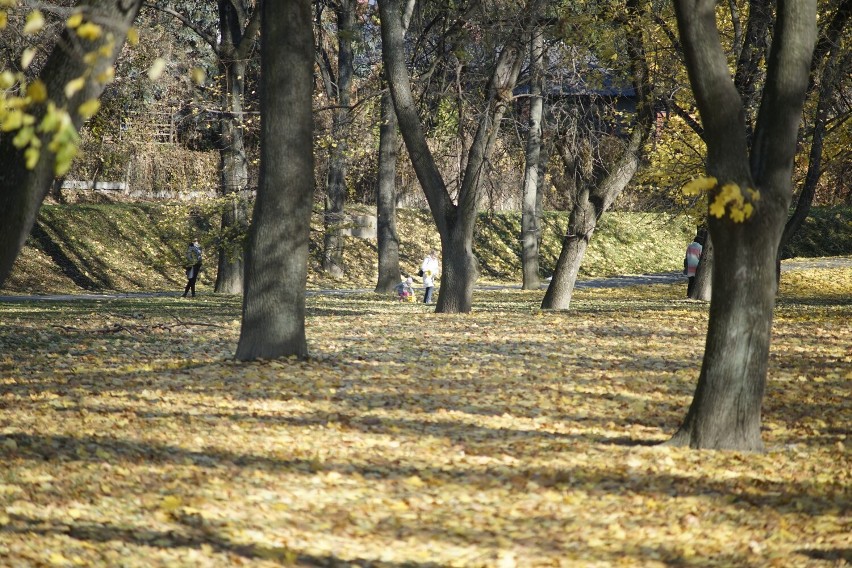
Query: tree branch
{"points": [[209, 38]]}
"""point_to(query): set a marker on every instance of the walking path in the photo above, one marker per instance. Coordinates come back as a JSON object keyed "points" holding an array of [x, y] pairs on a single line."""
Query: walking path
{"points": [[612, 282]]}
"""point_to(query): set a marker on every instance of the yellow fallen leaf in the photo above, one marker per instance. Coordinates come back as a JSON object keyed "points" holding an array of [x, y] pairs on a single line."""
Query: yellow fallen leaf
{"points": [[171, 503]]}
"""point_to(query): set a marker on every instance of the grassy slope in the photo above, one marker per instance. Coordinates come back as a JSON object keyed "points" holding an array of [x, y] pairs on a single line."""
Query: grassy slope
{"points": [[132, 247]]}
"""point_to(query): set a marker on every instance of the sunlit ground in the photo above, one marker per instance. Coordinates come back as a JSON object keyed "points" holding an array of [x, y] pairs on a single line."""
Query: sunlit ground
{"points": [[506, 437]]}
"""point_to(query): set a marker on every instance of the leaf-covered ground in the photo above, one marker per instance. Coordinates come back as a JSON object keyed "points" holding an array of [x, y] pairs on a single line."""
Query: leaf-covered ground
{"points": [[506, 437]]}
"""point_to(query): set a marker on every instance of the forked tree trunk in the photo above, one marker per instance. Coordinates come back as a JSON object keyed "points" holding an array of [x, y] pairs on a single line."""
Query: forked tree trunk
{"points": [[459, 272], [454, 222], [725, 411], [587, 209], [273, 323], [593, 201]]}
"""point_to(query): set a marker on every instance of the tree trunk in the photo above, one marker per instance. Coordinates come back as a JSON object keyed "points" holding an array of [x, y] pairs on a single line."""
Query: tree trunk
{"points": [[581, 225], [725, 411], [460, 269], [22, 189], [233, 187], [702, 288], [335, 197], [530, 221], [586, 210], [388, 241], [273, 323]]}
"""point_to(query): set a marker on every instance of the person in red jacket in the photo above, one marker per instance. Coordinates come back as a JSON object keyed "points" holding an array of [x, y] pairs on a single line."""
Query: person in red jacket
{"points": [[690, 262]]}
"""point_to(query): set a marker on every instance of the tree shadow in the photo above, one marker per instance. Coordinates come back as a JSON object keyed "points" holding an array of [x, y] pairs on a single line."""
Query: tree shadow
{"points": [[831, 554], [189, 536], [65, 263]]}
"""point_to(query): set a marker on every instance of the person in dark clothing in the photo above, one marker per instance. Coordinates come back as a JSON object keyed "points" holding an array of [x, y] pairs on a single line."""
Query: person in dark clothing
{"points": [[193, 267]]}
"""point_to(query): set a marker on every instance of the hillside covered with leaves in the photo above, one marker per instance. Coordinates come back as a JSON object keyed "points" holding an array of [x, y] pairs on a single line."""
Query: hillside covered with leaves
{"points": [[140, 246]]}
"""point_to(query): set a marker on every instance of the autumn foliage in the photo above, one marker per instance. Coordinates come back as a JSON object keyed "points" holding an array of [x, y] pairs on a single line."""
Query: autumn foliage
{"points": [[505, 437]]}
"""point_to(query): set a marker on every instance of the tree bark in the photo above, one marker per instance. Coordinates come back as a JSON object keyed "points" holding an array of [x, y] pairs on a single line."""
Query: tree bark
{"points": [[530, 221], [233, 186], [22, 189], [581, 225], [725, 411], [386, 235], [273, 323], [335, 197], [837, 62], [387, 239]]}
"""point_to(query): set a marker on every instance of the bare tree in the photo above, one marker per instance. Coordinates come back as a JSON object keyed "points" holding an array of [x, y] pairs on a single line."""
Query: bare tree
{"points": [[597, 178], [232, 40], [455, 220]]}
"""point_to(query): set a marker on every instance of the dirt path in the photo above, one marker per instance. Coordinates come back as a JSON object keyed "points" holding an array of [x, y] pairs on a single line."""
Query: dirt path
{"points": [[611, 282]]}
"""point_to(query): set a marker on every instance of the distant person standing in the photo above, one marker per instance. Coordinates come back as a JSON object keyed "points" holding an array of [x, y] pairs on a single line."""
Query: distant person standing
{"points": [[193, 267], [690, 262], [429, 271]]}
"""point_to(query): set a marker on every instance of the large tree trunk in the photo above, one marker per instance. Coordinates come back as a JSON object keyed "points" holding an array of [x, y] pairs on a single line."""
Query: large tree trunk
{"points": [[387, 239], [725, 411], [530, 221], [233, 184], [23, 189], [459, 272], [273, 322], [335, 197]]}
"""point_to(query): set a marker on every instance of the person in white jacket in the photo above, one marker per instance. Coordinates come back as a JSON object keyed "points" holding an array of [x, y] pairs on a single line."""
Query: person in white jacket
{"points": [[429, 271]]}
